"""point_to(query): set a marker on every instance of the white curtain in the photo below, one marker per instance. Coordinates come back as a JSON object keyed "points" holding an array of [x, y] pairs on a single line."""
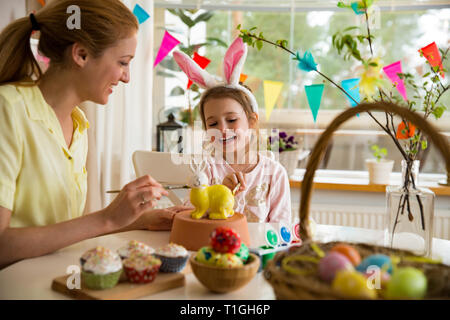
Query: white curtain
{"points": [[124, 124]]}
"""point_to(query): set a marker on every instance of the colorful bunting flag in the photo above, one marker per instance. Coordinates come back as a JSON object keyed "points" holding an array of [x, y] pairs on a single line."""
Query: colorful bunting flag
{"points": [[202, 62], [391, 72], [42, 2], [272, 90], [314, 95], [140, 13], [351, 86], [167, 44], [431, 53]]}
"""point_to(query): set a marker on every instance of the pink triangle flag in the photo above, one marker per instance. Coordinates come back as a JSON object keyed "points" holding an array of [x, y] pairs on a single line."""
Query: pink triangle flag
{"points": [[391, 72], [167, 44]]}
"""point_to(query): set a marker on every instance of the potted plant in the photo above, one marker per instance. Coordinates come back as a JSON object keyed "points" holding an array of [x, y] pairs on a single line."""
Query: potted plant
{"points": [[379, 168], [288, 149]]}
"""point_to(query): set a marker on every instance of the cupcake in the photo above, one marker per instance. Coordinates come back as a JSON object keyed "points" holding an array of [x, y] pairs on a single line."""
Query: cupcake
{"points": [[173, 257], [140, 268], [101, 268], [99, 250], [133, 246]]}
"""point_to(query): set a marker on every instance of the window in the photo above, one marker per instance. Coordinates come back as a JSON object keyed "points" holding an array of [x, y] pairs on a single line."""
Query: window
{"points": [[401, 33]]}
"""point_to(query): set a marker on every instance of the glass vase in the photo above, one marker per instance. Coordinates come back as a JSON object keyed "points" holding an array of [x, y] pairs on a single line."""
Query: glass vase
{"points": [[410, 212]]}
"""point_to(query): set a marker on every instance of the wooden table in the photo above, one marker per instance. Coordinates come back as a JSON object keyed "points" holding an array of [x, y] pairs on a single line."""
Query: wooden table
{"points": [[32, 278]]}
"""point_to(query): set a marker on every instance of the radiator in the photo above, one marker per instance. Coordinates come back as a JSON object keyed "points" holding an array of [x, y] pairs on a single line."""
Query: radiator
{"points": [[367, 217]]}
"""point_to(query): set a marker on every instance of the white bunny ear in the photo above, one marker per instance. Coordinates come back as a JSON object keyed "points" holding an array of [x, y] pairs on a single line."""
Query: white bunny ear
{"points": [[233, 62], [193, 70]]}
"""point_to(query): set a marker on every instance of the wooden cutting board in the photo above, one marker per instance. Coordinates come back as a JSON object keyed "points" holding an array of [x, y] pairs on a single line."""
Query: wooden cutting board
{"points": [[123, 290]]}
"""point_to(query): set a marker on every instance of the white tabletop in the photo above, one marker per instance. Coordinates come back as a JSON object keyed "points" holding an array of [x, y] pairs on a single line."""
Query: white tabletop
{"points": [[32, 278]]}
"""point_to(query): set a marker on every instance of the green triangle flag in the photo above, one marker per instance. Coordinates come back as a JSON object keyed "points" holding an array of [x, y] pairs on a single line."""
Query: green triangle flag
{"points": [[314, 95]]}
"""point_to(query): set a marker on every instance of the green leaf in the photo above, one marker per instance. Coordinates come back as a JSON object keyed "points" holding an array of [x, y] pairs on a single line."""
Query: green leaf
{"points": [[177, 91], [217, 41], [438, 111], [373, 64], [259, 44], [186, 20], [205, 16], [165, 74], [424, 144]]}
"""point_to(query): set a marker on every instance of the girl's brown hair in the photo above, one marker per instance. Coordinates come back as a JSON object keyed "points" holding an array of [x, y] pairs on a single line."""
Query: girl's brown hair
{"points": [[103, 22], [221, 92]]}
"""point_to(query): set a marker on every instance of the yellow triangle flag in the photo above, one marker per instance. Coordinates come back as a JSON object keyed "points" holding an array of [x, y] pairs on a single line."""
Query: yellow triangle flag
{"points": [[272, 90]]}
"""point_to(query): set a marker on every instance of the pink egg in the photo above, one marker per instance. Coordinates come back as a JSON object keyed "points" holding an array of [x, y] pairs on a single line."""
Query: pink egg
{"points": [[332, 263]]}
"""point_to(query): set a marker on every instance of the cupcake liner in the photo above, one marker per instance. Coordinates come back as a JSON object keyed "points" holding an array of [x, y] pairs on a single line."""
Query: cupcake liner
{"points": [[100, 281], [141, 276], [172, 264]]}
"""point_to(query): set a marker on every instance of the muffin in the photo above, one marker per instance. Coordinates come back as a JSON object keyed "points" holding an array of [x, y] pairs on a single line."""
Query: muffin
{"points": [[141, 268], [99, 250], [132, 246], [173, 257], [101, 268]]}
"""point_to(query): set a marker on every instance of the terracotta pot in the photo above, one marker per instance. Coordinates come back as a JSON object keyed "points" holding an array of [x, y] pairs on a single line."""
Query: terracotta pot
{"points": [[379, 171]]}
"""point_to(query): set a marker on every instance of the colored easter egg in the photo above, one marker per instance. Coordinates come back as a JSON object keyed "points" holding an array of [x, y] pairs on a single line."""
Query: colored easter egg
{"points": [[407, 283], [207, 255], [349, 252], [243, 252], [225, 240], [229, 260], [332, 263], [380, 260], [352, 284]]}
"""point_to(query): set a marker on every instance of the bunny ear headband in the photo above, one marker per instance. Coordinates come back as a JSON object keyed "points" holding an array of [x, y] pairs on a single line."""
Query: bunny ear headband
{"points": [[233, 63]]}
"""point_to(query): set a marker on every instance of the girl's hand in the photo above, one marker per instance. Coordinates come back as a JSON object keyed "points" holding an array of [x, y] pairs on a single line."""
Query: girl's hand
{"points": [[136, 198], [160, 219], [233, 179]]}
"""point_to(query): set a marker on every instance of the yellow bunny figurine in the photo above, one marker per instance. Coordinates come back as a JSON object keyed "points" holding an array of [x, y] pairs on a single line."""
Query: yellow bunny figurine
{"points": [[217, 199]]}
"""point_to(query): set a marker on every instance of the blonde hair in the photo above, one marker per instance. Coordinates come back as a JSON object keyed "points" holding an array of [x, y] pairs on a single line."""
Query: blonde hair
{"points": [[103, 22]]}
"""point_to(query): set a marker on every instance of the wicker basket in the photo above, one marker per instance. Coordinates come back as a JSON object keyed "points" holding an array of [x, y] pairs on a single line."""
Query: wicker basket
{"points": [[307, 285]]}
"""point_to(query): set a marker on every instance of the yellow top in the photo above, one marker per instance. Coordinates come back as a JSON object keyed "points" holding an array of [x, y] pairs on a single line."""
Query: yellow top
{"points": [[42, 181]]}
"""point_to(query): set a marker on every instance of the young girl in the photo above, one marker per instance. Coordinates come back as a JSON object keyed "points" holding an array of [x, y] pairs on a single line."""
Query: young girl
{"points": [[43, 134], [229, 113]]}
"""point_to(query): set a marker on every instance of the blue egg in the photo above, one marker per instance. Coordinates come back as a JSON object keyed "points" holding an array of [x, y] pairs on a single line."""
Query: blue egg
{"points": [[378, 260]]}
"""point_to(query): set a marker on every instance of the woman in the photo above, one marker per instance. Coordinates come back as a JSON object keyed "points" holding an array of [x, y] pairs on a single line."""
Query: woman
{"points": [[43, 136]]}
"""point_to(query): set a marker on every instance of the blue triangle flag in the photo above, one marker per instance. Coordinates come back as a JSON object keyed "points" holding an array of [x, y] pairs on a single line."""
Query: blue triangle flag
{"points": [[140, 13]]}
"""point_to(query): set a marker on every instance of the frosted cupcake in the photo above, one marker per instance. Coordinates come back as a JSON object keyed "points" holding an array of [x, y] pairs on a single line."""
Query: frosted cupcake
{"points": [[101, 268], [173, 257], [132, 246], [141, 268], [99, 250]]}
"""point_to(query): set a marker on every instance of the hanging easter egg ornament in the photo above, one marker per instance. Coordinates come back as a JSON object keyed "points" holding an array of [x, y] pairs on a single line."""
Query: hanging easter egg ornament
{"points": [[285, 234], [271, 236]]}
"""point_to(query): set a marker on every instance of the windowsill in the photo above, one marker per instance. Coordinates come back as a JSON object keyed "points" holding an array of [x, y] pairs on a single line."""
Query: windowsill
{"points": [[350, 180]]}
